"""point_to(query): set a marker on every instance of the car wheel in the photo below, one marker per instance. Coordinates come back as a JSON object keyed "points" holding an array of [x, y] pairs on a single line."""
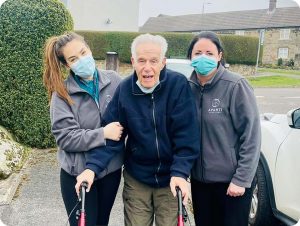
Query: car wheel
{"points": [[261, 212]]}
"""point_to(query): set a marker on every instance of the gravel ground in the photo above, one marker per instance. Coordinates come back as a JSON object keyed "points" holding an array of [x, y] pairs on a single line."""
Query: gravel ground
{"points": [[38, 200]]}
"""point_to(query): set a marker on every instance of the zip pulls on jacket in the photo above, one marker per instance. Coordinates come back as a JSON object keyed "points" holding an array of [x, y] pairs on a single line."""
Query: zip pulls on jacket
{"points": [[156, 140]]}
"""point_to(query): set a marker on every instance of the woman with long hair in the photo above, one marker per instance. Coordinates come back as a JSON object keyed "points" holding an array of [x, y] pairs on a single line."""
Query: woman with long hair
{"points": [[76, 106]]}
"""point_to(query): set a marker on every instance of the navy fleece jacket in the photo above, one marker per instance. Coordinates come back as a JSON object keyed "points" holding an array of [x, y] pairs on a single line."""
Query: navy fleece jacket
{"points": [[162, 129]]}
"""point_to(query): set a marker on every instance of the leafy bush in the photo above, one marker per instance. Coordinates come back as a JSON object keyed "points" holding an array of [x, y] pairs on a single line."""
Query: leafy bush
{"points": [[279, 62], [24, 27], [238, 49], [178, 43], [102, 42], [290, 63]]}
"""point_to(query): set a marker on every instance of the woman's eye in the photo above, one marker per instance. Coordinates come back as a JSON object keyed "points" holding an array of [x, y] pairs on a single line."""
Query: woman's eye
{"points": [[73, 60]]}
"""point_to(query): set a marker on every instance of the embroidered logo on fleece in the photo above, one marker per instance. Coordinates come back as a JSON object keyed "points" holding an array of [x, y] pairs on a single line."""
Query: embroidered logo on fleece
{"points": [[215, 106]]}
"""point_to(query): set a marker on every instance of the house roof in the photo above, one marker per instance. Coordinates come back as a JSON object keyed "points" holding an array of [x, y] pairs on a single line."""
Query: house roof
{"points": [[236, 20]]}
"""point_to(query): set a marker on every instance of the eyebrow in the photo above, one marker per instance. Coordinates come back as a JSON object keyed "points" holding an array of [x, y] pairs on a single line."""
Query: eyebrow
{"points": [[71, 57]]}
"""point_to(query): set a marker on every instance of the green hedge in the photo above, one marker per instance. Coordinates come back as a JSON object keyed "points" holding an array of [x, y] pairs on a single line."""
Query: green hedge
{"points": [[238, 49], [102, 42], [24, 27]]}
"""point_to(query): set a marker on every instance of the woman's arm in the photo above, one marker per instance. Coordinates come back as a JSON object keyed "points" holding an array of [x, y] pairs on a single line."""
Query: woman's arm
{"points": [[246, 121]]}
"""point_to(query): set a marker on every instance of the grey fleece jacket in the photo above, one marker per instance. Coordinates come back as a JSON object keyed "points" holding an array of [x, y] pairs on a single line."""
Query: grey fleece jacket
{"points": [[77, 127], [230, 129]]}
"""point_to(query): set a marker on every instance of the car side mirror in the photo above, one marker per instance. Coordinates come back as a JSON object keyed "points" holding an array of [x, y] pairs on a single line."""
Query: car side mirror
{"points": [[293, 117]]}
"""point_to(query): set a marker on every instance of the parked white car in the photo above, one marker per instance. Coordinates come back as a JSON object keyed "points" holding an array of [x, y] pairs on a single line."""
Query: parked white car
{"points": [[182, 66], [277, 190]]}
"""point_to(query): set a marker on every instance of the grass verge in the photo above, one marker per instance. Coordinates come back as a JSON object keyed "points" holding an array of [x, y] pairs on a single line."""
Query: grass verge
{"points": [[279, 71], [274, 81]]}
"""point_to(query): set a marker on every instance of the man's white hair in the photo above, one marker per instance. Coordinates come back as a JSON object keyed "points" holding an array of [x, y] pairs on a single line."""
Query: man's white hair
{"points": [[148, 38]]}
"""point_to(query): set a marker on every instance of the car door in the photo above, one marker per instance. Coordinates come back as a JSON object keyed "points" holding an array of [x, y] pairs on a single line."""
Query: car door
{"points": [[287, 176]]}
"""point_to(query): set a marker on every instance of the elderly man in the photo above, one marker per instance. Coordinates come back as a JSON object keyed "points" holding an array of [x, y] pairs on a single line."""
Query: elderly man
{"points": [[157, 110]]}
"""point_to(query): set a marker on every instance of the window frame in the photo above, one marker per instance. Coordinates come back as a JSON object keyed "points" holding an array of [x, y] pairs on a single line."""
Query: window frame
{"points": [[285, 34], [283, 53]]}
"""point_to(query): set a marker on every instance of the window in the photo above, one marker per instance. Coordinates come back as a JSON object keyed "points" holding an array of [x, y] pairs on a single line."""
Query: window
{"points": [[240, 32], [285, 34], [283, 53]]}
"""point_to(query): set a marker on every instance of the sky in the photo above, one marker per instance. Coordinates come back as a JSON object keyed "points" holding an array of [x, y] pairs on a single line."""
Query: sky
{"points": [[152, 8]]}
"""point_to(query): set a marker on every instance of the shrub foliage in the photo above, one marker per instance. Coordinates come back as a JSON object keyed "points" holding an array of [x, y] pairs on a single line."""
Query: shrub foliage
{"points": [[238, 49], [24, 27]]}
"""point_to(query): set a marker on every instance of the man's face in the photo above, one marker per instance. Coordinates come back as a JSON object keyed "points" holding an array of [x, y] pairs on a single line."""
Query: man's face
{"points": [[148, 64]]}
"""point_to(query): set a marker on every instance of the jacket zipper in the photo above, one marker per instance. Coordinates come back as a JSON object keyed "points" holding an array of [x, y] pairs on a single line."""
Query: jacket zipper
{"points": [[156, 140], [201, 89], [201, 147]]}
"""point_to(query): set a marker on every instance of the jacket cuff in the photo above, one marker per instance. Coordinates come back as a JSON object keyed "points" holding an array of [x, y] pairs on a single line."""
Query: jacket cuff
{"points": [[102, 140], [241, 183], [96, 168], [179, 174]]}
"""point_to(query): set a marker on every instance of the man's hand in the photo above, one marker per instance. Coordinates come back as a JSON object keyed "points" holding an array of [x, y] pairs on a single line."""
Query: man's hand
{"points": [[88, 176], [183, 185], [234, 190]]}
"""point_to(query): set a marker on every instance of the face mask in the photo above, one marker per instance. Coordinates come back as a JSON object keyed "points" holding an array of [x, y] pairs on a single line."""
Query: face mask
{"points": [[84, 67], [146, 90], [204, 65]]}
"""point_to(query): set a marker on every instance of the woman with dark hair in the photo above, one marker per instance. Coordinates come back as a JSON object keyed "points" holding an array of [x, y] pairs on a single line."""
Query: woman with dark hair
{"points": [[222, 176], [76, 106]]}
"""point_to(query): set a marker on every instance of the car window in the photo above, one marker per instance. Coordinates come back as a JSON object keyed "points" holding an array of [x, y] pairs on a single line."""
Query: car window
{"points": [[184, 69], [296, 118]]}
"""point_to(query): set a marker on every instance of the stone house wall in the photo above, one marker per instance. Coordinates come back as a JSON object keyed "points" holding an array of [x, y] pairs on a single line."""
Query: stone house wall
{"points": [[272, 43]]}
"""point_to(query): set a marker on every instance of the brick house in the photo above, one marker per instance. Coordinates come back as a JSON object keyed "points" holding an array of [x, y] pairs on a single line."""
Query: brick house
{"points": [[280, 28]]}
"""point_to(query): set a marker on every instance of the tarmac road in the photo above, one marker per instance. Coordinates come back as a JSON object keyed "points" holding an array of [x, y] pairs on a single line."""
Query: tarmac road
{"points": [[277, 100], [37, 201]]}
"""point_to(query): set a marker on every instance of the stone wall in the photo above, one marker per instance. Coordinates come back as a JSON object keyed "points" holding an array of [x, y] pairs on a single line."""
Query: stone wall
{"points": [[244, 70], [272, 43], [12, 154]]}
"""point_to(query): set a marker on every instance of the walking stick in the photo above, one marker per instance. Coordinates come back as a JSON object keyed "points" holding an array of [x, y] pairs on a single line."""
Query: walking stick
{"points": [[82, 214], [181, 216]]}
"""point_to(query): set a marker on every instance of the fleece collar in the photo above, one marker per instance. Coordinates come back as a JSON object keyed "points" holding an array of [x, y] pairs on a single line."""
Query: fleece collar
{"points": [[162, 80]]}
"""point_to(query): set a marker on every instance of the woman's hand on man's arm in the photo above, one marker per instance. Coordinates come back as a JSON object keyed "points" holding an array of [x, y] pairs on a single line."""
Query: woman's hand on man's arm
{"points": [[113, 131]]}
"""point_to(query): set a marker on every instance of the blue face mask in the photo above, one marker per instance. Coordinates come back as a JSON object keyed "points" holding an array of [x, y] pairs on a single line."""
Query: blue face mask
{"points": [[84, 67], [204, 65]]}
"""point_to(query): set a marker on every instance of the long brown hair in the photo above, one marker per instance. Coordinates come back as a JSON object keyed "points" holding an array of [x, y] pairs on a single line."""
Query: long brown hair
{"points": [[54, 62]]}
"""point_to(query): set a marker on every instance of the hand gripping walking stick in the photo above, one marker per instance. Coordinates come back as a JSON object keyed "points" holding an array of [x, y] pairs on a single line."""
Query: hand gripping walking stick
{"points": [[182, 215], [82, 214]]}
